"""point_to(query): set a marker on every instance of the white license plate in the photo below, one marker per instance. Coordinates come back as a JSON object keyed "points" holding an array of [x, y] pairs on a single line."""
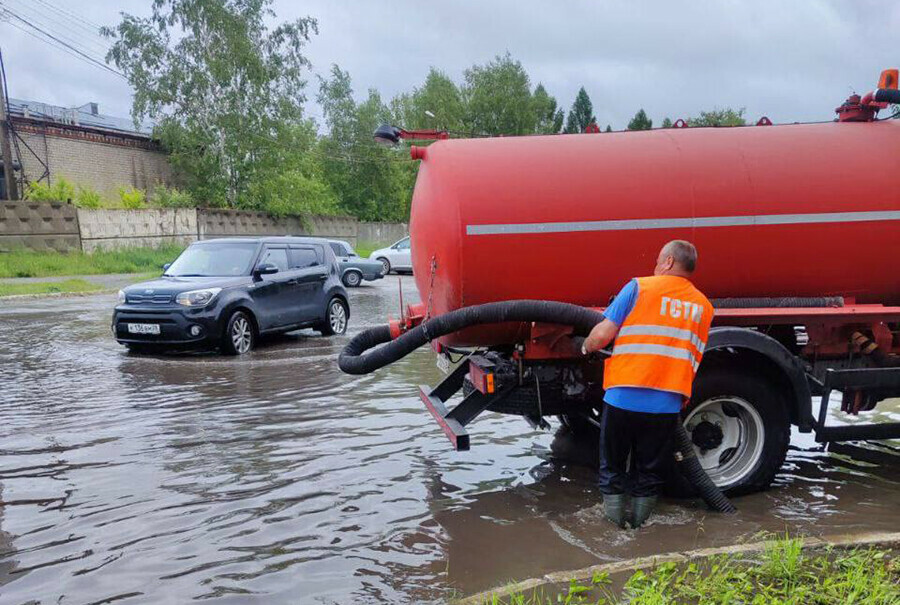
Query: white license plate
{"points": [[443, 363], [143, 328]]}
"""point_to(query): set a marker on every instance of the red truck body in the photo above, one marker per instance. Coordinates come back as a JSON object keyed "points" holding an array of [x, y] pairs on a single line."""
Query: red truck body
{"points": [[794, 210], [800, 222]]}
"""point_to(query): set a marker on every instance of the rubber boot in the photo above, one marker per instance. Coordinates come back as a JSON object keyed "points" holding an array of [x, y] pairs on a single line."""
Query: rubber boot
{"points": [[641, 507], [614, 508]]}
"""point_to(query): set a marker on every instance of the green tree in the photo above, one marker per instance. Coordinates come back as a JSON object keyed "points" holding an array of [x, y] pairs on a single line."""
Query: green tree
{"points": [[640, 121], [719, 117], [549, 116], [370, 182], [666, 123], [581, 114], [221, 83], [498, 98], [608, 128], [439, 96]]}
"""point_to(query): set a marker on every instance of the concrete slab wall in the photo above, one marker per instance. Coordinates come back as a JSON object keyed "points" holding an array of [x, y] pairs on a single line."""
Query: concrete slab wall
{"points": [[381, 234], [39, 226], [232, 223], [108, 229], [62, 227], [333, 227]]}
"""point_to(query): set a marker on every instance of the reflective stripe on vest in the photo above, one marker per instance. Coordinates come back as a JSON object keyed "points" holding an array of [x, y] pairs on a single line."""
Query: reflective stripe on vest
{"points": [[651, 330], [663, 350], [661, 342]]}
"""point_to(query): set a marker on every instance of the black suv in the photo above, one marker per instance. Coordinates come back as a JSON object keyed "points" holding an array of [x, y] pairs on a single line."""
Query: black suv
{"points": [[226, 292]]}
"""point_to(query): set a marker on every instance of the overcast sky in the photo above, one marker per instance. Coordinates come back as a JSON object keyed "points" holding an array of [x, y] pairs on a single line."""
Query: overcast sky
{"points": [[791, 60]]}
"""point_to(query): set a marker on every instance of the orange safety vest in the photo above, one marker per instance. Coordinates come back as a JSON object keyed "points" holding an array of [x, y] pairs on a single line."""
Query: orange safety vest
{"points": [[661, 342]]}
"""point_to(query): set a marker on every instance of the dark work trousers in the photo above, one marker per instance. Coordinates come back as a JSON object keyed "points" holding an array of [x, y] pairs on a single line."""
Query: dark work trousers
{"points": [[648, 438]]}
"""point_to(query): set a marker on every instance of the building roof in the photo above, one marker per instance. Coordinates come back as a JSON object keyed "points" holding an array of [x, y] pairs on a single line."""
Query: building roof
{"points": [[86, 116]]}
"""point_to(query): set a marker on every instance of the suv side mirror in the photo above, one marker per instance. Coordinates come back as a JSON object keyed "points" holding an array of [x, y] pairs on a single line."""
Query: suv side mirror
{"points": [[265, 269], [166, 267]]}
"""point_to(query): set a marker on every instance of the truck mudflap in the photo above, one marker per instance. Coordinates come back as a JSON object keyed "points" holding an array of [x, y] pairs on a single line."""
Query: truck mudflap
{"points": [[488, 389]]}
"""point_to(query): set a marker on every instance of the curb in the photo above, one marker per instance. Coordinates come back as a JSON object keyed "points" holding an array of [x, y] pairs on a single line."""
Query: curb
{"points": [[562, 577]]}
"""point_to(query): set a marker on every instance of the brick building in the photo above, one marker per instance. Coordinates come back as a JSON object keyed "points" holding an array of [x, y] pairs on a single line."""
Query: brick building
{"points": [[84, 146]]}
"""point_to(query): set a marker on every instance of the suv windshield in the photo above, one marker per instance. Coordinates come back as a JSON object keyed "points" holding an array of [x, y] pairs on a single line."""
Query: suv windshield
{"points": [[214, 260]]}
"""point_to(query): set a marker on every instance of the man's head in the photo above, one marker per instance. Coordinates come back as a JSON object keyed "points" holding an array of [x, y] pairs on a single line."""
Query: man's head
{"points": [[678, 257]]}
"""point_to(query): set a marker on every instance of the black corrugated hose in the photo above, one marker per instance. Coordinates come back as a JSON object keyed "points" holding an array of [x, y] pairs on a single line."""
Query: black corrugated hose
{"points": [[355, 360], [694, 473], [785, 302], [361, 356]]}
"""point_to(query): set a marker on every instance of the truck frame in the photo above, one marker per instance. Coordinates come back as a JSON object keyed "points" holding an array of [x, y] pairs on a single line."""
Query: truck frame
{"points": [[761, 372]]}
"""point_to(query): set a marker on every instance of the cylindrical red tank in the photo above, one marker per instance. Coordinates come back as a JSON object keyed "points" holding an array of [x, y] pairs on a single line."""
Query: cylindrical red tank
{"points": [[794, 210]]}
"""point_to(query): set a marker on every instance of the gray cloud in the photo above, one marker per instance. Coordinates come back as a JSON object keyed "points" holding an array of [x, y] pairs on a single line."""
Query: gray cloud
{"points": [[792, 61]]}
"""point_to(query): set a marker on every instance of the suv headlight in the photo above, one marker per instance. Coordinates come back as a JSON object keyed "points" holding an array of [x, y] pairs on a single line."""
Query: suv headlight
{"points": [[197, 298], [122, 297]]}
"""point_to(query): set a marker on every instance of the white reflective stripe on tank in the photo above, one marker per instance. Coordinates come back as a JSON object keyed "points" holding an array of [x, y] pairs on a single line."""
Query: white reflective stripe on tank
{"points": [[665, 331], [662, 350], [688, 222]]}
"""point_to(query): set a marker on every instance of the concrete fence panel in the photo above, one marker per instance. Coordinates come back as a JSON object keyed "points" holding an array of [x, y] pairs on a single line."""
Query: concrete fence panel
{"points": [[38, 226], [333, 227], [381, 234], [110, 229], [231, 223], [60, 226]]}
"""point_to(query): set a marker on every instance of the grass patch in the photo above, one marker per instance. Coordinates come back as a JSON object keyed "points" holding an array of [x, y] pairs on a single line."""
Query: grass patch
{"points": [[25, 263], [365, 251], [69, 285], [783, 573]]}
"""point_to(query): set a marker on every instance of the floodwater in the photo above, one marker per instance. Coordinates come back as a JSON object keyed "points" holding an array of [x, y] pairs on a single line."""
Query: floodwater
{"points": [[278, 479]]}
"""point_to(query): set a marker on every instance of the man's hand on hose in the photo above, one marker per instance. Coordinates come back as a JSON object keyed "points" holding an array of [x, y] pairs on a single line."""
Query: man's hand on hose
{"points": [[602, 334], [579, 350]]}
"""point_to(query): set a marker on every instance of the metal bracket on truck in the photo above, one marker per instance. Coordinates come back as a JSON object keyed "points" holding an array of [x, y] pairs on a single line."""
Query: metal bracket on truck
{"points": [[486, 392]]}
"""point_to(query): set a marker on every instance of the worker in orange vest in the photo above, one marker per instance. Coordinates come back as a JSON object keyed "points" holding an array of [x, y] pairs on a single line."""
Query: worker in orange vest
{"points": [[660, 326]]}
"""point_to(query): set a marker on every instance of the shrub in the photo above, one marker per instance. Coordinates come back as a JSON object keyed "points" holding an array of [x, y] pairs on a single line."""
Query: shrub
{"points": [[291, 193], [60, 191], [170, 197], [88, 198], [132, 199]]}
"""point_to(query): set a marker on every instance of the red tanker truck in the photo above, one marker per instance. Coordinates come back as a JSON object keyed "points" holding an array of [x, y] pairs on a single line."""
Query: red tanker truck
{"points": [[798, 232]]}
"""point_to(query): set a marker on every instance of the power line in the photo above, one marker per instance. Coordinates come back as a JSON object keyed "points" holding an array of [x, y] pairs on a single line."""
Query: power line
{"points": [[90, 25], [62, 26], [50, 36], [47, 42], [50, 27]]}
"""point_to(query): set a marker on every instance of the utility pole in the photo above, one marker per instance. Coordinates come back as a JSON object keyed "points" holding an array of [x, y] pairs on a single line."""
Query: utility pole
{"points": [[9, 176]]}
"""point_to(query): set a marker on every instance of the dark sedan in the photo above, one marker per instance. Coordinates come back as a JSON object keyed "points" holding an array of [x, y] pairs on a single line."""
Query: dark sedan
{"points": [[227, 292]]}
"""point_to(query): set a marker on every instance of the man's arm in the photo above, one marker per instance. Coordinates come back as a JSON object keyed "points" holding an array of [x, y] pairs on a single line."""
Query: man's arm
{"points": [[613, 317], [602, 334]]}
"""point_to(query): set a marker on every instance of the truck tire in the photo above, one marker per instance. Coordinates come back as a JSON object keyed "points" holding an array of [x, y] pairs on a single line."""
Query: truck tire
{"points": [[740, 428]]}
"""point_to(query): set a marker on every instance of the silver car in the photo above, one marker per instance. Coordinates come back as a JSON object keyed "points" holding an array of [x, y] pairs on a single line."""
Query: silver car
{"points": [[396, 257], [353, 268]]}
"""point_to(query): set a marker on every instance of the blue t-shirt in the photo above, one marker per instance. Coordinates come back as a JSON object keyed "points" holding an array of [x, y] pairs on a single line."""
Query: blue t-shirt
{"points": [[636, 399]]}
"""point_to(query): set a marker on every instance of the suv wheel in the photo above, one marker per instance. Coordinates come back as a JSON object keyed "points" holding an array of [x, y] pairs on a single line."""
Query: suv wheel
{"points": [[352, 279], [335, 318], [385, 265], [239, 336]]}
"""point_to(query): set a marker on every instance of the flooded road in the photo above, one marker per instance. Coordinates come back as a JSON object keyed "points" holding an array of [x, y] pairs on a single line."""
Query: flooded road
{"points": [[278, 479]]}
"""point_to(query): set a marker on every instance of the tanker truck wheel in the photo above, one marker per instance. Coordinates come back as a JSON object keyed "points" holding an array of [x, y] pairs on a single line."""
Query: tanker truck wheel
{"points": [[740, 429]]}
